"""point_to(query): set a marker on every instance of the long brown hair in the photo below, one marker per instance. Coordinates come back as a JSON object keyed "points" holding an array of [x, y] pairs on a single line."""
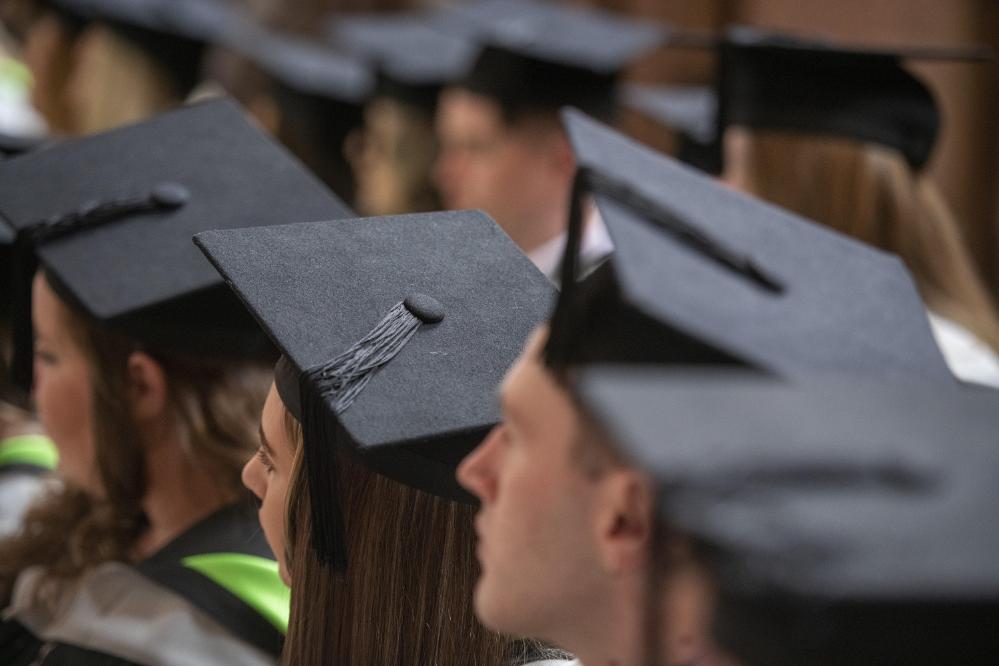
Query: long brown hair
{"points": [[869, 192], [406, 597], [216, 407]]}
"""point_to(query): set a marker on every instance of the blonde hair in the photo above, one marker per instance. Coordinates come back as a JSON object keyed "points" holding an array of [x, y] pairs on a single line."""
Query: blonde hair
{"points": [[115, 82], [869, 192]]}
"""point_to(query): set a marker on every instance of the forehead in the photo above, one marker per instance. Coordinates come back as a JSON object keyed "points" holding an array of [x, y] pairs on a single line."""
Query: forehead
{"points": [[460, 108], [529, 381], [273, 423]]}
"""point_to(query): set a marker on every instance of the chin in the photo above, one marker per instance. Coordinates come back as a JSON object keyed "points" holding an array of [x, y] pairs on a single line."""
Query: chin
{"points": [[490, 610]]}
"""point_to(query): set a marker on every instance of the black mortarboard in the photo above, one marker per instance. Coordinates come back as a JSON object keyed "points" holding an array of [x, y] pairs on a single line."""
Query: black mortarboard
{"points": [[775, 81], [703, 274], [395, 333], [305, 66], [848, 521], [413, 58], [110, 219], [690, 111], [541, 55], [320, 94], [174, 32]]}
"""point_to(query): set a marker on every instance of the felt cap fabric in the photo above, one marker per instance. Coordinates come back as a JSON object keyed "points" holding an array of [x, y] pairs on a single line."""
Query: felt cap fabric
{"points": [[396, 332], [540, 56], [110, 219], [775, 81], [306, 66], [849, 520], [702, 274], [413, 56], [689, 111]]}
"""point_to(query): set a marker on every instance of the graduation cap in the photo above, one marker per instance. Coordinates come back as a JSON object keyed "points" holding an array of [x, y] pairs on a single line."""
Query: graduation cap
{"points": [[848, 520], [774, 81], [690, 111], [540, 55], [110, 217], [175, 32], [319, 92], [395, 333], [702, 274], [303, 65], [413, 58]]}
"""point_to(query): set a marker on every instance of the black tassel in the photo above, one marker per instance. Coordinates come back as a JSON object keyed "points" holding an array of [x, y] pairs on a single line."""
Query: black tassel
{"points": [[560, 334], [320, 458], [336, 385]]}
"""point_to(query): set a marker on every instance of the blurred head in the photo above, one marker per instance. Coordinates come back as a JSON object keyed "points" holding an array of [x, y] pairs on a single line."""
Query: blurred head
{"points": [[110, 405], [561, 519], [518, 169], [406, 595], [565, 528], [115, 82], [48, 51], [392, 158], [62, 388], [871, 193]]}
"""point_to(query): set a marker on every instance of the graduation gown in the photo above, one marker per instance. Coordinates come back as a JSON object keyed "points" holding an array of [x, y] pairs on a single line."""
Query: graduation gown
{"points": [[211, 596]]}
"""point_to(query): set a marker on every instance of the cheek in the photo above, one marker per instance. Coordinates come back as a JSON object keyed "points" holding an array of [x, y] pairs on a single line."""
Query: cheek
{"points": [[63, 397], [272, 517]]}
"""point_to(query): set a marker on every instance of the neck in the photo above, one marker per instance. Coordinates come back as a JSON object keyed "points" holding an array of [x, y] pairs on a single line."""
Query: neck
{"points": [[179, 495], [609, 635], [544, 228]]}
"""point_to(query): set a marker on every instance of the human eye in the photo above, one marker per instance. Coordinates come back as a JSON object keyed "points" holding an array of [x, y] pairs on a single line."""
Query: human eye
{"points": [[265, 460], [45, 356]]}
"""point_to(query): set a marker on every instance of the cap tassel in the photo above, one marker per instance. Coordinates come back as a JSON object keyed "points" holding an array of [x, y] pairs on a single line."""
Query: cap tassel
{"points": [[561, 333], [337, 384]]}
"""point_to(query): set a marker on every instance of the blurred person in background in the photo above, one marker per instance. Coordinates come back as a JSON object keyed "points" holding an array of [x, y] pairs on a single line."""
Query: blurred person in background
{"points": [[502, 146], [394, 151], [149, 378], [842, 135], [98, 65]]}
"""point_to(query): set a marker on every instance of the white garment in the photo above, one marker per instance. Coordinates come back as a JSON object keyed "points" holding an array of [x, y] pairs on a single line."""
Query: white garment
{"points": [[555, 662], [594, 246], [17, 492], [970, 359], [118, 611]]}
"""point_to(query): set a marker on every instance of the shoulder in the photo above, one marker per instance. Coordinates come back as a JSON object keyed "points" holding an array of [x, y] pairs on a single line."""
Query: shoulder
{"points": [[116, 611]]}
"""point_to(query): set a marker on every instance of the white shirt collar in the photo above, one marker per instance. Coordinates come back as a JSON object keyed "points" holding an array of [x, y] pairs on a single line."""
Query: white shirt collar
{"points": [[596, 244]]}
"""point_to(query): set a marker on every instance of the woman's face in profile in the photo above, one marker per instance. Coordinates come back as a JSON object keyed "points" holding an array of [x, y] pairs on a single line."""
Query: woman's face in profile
{"points": [[62, 388], [268, 473]]}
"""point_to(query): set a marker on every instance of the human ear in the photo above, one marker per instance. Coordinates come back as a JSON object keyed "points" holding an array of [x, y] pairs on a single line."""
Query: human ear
{"points": [[147, 387], [624, 521]]}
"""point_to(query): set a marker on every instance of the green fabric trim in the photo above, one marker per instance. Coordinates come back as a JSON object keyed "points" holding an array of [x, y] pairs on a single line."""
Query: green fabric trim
{"points": [[255, 580], [34, 450]]}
